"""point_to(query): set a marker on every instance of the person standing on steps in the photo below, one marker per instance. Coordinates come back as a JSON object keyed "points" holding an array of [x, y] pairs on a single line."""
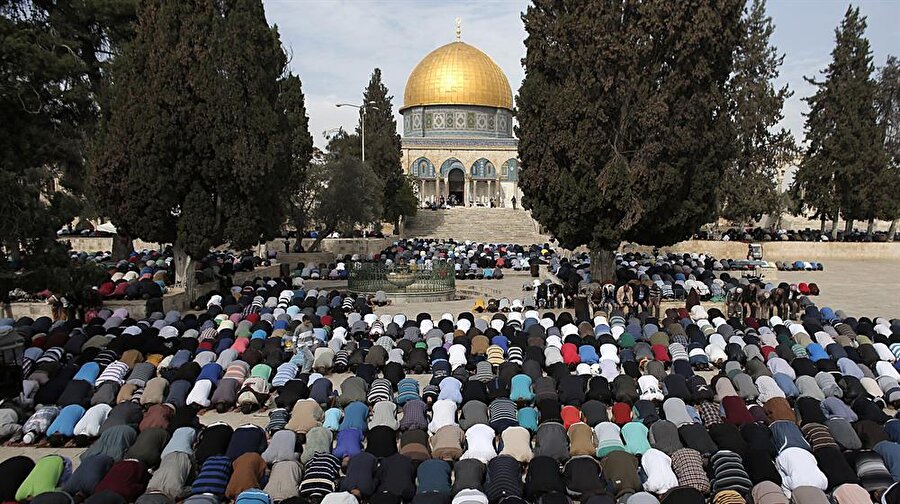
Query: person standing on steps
{"points": [[514, 202]]}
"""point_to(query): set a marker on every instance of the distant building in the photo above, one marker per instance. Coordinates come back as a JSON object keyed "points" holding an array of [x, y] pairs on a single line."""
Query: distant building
{"points": [[458, 128]]}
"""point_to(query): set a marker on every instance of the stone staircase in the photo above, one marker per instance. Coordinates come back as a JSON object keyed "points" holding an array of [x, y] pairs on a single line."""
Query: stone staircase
{"points": [[492, 225]]}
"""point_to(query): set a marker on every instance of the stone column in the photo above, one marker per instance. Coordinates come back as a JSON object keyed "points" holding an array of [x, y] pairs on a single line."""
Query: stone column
{"points": [[490, 191], [422, 191]]}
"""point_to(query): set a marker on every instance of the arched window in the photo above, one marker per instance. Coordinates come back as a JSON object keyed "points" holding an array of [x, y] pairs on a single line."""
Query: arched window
{"points": [[510, 170], [423, 168], [483, 169]]}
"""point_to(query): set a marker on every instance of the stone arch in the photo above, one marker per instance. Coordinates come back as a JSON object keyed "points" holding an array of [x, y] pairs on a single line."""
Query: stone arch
{"points": [[483, 169], [509, 170], [423, 168], [450, 164]]}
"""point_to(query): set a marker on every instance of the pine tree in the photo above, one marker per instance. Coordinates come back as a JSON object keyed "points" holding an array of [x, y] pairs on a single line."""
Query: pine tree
{"points": [[888, 106], [845, 153], [624, 130], [195, 151], [383, 146], [749, 185]]}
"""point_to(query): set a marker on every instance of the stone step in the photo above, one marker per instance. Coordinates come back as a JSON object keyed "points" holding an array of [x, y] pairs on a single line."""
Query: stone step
{"points": [[498, 225]]}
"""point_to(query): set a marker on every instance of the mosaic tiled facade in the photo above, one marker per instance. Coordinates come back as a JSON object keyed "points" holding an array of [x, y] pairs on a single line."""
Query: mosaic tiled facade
{"points": [[458, 129]]}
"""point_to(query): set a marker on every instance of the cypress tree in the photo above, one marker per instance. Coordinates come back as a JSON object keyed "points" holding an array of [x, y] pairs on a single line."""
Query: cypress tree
{"points": [[748, 189], [194, 152], [624, 130], [888, 106], [845, 153], [300, 143], [383, 147]]}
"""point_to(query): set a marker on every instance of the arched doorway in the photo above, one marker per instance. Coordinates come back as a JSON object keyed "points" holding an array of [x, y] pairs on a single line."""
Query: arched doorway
{"points": [[456, 183]]}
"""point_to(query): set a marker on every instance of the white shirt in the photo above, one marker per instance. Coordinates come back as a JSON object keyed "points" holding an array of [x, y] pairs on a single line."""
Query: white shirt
{"points": [[480, 443], [93, 418], [658, 467], [443, 413], [798, 467]]}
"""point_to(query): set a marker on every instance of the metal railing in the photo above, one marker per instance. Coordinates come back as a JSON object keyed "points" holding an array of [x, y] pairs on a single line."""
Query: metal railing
{"points": [[402, 279]]}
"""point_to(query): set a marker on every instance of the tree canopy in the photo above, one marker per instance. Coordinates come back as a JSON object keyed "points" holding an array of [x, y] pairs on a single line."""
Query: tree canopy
{"points": [[845, 149], [300, 144], [888, 107], [195, 150], [383, 148], [624, 130], [748, 188], [51, 79], [352, 192]]}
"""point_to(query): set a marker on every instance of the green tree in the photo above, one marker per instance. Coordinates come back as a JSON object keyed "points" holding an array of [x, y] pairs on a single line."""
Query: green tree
{"points": [[845, 149], [195, 152], [888, 105], [383, 147], [51, 60], [293, 104], [624, 130], [352, 196], [749, 185]]}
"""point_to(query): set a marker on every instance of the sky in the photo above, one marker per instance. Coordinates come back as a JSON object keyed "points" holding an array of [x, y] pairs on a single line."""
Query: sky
{"points": [[334, 45]]}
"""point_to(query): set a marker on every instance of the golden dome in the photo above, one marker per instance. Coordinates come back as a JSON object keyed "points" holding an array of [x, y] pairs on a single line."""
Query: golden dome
{"points": [[457, 74]]}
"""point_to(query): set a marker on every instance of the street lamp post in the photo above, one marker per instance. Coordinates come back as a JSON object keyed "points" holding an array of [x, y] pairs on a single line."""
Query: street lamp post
{"points": [[362, 109]]}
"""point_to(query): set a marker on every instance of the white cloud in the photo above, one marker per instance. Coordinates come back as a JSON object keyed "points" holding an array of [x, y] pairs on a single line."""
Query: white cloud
{"points": [[335, 45]]}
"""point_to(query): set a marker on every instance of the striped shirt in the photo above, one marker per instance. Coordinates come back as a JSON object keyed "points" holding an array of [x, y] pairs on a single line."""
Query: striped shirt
{"points": [[502, 413], [818, 436], [407, 390], [381, 390], [278, 419], [495, 355], [504, 478], [213, 477], [514, 355], [285, 373], [320, 475], [115, 373], [729, 473]]}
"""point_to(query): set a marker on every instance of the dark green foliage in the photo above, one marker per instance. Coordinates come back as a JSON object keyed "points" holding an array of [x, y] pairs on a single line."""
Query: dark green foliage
{"points": [[51, 73], [845, 150], [292, 103], [748, 189], [888, 106], [383, 147], [624, 130], [352, 196], [196, 149]]}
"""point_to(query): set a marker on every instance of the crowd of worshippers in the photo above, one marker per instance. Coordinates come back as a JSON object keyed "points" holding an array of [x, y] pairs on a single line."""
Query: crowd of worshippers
{"points": [[470, 259], [810, 235], [519, 407]]}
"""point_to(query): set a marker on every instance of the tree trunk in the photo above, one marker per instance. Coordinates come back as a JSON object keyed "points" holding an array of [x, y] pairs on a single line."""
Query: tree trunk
{"points": [[822, 227], [870, 229], [834, 228], [603, 265], [185, 276], [122, 246], [892, 230], [848, 226], [316, 244]]}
